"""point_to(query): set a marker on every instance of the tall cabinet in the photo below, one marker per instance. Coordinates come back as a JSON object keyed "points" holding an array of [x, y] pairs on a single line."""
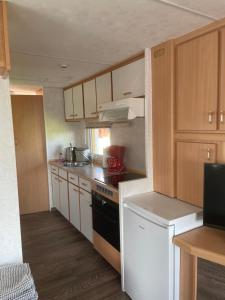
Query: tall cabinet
{"points": [[4, 42], [188, 112]]}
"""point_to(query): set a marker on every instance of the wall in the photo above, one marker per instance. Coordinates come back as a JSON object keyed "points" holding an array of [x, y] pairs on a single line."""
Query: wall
{"points": [[10, 235], [132, 136], [58, 132]]}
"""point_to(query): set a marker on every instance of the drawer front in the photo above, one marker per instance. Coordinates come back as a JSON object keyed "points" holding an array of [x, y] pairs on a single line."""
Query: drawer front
{"points": [[73, 178], [55, 170], [63, 173], [85, 184]]}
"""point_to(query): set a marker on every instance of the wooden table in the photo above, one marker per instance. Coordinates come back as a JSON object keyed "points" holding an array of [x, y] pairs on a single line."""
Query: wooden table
{"points": [[204, 242]]}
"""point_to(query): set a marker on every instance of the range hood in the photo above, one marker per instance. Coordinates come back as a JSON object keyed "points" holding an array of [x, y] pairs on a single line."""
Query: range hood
{"points": [[121, 110]]}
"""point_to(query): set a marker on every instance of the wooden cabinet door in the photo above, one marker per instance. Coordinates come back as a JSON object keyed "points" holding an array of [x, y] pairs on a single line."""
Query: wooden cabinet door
{"points": [[86, 215], [68, 100], [104, 89], [197, 83], [55, 191], [4, 43], [90, 104], [78, 102], [129, 81], [63, 196], [190, 170], [74, 201], [221, 110]]}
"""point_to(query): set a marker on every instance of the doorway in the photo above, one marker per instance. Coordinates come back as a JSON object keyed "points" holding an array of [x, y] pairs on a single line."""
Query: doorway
{"points": [[31, 161]]}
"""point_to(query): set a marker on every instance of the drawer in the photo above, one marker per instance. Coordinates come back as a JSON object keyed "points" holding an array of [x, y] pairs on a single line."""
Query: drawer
{"points": [[55, 170], [73, 178], [85, 184], [63, 173]]}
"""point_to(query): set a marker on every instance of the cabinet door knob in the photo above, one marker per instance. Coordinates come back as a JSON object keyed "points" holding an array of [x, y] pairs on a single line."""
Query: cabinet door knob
{"points": [[221, 116], [210, 117]]}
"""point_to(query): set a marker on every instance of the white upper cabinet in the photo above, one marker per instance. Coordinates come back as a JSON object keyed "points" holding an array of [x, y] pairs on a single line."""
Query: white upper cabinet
{"points": [[78, 102], [90, 102], [104, 89], [129, 81], [68, 98]]}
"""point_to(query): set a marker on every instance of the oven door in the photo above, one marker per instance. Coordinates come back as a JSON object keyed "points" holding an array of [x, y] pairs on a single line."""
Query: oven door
{"points": [[106, 219]]}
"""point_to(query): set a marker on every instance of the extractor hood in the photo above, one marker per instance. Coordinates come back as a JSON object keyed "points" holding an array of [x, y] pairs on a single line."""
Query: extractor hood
{"points": [[121, 110]]}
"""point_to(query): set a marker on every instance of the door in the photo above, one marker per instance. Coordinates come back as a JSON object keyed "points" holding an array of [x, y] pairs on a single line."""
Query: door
{"points": [[104, 89], [68, 100], [78, 102], [55, 192], [90, 104], [190, 170], [197, 83], [74, 201], [129, 81], [31, 162], [221, 110], [147, 253], [86, 214], [63, 196]]}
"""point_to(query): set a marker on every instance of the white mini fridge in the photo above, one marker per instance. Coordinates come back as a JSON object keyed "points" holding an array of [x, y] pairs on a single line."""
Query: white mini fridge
{"points": [[150, 267]]}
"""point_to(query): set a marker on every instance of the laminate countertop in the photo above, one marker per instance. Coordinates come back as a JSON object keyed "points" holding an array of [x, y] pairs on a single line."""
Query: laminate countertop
{"points": [[91, 172]]}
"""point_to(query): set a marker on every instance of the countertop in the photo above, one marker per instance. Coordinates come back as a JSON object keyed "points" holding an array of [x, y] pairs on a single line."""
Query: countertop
{"points": [[165, 209]]}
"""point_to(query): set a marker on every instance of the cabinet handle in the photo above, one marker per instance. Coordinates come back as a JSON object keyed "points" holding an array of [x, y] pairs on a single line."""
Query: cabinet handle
{"points": [[221, 116], [209, 154], [127, 93], [75, 190], [210, 117], [72, 178], [93, 113]]}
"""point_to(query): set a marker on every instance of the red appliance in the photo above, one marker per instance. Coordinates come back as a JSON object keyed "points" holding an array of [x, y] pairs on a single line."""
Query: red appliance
{"points": [[116, 158]]}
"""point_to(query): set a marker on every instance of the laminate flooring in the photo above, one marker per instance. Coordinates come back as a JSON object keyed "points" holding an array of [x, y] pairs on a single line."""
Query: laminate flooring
{"points": [[63, 262]]}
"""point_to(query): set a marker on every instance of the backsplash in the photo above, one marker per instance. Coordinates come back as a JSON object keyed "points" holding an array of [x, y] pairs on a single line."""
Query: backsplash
{"points": [[132, 136]]}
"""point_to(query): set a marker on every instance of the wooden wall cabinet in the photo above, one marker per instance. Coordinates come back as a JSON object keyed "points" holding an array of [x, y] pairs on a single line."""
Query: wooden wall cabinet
{"points": [[4, 42], [129, 81], [104, 89], [90, 101], [191, 157]]}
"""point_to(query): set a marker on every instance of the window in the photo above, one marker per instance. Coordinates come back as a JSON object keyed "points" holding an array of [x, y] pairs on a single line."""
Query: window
{"points": [[98, 139]]}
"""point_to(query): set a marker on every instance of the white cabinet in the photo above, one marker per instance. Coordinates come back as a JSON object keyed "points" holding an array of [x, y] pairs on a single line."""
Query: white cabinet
{"points": [[78, 102], [129, 81], [74, 206], [86, 214], [68, 99], [55, 191], [104, 89], [90, 104], [63, 196]]}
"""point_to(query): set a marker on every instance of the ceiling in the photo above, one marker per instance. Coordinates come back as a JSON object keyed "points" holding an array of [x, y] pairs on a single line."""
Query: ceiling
{"points": [[89, 36]]}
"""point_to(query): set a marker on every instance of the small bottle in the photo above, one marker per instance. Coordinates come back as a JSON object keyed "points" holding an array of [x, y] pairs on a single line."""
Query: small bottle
{"points": [[61, 157]]}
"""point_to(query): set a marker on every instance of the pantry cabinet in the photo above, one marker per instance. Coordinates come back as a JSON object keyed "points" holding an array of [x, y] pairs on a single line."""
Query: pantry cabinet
{"points": [[4, 43], [221, 109], [55, 191], [74, 200], [78, 102], [197, 83], [68, 100], [90, 101], [86, 214], [104, 89], [63, 196], [129, 80], [190, 159]]}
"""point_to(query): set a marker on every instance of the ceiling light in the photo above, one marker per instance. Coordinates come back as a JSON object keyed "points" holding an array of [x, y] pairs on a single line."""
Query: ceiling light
{"points": [[64, 66]]}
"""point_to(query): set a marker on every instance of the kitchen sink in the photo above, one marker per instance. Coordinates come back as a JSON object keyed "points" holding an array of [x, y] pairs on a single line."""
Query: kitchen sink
{"points": [[76, 164]]}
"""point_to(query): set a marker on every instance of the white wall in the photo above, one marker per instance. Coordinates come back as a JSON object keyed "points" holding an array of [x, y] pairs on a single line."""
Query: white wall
{"points": [[58, 132], [132, 136], [10, 236]]}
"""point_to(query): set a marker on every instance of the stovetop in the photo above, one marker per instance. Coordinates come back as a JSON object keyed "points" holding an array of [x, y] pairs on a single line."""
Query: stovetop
{"points": [[114, 179]]}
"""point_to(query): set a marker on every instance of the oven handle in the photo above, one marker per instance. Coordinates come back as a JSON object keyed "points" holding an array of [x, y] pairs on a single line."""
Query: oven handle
{"points": [[104, 216]]}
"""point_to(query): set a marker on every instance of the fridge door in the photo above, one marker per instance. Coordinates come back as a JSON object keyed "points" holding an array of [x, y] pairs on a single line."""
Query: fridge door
{"points": [[148, 258]]}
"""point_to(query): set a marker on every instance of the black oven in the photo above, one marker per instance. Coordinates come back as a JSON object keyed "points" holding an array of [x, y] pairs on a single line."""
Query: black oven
{"points": [[106, 219]]}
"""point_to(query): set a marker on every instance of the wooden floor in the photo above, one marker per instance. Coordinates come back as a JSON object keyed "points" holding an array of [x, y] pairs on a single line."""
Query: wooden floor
{"points": [[64, 264]]}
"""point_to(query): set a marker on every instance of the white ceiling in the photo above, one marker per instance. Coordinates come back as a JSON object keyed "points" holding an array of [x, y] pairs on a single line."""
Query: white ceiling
{"points": [[90, 35]]}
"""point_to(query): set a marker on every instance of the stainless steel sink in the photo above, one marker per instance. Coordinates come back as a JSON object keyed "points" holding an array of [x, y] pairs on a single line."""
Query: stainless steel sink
{"points": [[76, 164]]}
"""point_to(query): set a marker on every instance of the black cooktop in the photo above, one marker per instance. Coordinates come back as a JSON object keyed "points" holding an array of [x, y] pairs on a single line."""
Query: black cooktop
{"points": [[114, 179]]}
